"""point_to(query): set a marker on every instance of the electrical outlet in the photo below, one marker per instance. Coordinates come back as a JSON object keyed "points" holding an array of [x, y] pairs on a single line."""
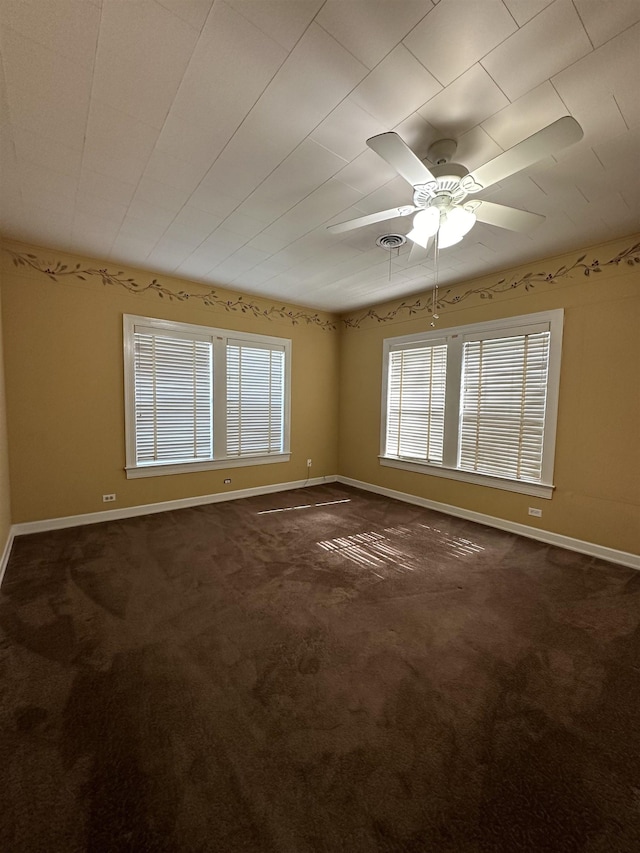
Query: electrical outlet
{"points": [[308, 463], [108, 498], [227, 481], [533, 510]]}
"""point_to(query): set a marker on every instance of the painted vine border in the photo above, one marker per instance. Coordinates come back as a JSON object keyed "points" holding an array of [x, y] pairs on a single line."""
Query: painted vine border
{"points": [[210, 298], [631, 256]]}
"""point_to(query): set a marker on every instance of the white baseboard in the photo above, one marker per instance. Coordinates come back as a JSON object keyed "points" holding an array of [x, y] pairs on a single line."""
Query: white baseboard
{"points": [[590, 548], [6, 553], [623, 558], [165, 506]]}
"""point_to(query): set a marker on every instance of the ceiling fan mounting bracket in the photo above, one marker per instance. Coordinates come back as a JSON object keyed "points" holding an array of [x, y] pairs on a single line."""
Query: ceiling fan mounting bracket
{"points": [[441, 151]]}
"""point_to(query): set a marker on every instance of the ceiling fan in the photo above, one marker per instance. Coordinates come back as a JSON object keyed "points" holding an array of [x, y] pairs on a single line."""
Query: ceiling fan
{"points": [[440, 193]]}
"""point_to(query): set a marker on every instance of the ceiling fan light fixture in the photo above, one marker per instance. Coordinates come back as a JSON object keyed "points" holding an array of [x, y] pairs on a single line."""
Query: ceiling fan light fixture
{"points": [[425, 225], [454, 226]]}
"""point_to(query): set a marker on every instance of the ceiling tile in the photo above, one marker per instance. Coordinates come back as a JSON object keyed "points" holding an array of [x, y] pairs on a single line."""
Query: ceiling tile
{"points": [[90, 226], [524, 10], [46, 92], [306, 168], [95, 244], [525, 116], [621, 150], [281, 20], [555, 37], [474, 29], [41, 218], [303, 80], [366, 173], [316, 209], [466, 102], [233, 177], [243, 225], [418, 134], [346, 129], [211, 252], [111, 132], [603, 21], [100, 209], [395, 88], [47, 152], [168, 254], [191, 226], [475, 148], [114, 164], [184, 139], [160, 194], [141, 229], [599, 124], [174, 172], [217, 91], [196, 266], [126, 248], [192, 12], [396, 193], [70, 27], [34, 179], [370, 30], [143, 51], [149, 214], [213, 202], [613, 69], [239, 262], [51, 230], [105, 187]]}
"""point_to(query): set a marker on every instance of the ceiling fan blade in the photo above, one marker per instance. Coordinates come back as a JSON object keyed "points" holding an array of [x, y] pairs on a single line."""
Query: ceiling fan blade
{"points": [[361, 221], [506, 217], [418, 254], [397, 153], [561, 133]]}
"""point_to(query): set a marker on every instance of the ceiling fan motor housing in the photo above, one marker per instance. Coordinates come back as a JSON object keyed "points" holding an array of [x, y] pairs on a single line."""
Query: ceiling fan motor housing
{"points": [[446, 190]]}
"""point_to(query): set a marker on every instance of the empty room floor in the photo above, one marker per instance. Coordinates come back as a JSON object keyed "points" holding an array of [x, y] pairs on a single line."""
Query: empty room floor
{"points": [[316, 670]]}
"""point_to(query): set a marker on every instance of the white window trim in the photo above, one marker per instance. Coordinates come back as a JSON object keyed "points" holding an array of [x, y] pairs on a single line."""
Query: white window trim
{"points": [[554, 321], [219, 337]]}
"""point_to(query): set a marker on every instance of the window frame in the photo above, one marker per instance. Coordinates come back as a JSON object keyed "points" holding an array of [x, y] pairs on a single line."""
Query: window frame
{"points": [[219, 338], [455, 337]]}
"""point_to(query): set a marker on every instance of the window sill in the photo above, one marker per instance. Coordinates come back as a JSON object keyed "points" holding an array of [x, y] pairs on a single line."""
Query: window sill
{"points": [[163, 469], [538, 490]]}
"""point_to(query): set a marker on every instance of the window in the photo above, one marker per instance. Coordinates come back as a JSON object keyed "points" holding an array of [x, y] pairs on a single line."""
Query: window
{"points": [[198, 398], [476, 403]]}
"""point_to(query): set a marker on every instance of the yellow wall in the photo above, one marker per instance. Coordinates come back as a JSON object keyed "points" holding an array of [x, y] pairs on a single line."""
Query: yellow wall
{"points": [[65, 410], [5, 496], [597, 470], [64, 385]]}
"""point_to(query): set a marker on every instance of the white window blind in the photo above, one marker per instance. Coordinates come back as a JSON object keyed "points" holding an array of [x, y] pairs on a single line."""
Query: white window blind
{"points": [[173, 403], [199, 398], [475, 403], [503, 405], [255, 399], [416, 402]]}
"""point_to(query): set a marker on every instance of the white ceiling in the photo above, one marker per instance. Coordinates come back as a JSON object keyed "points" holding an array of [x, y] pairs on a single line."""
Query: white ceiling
{"points": [[217, 140]]}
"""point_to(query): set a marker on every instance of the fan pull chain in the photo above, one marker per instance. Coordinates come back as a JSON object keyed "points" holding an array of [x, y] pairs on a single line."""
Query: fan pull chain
{"points": [[397, 256], [434, 305]]}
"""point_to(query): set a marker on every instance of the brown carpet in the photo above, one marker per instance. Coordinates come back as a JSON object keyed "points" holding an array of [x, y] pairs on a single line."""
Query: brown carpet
{"points": [[347, 674]]}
